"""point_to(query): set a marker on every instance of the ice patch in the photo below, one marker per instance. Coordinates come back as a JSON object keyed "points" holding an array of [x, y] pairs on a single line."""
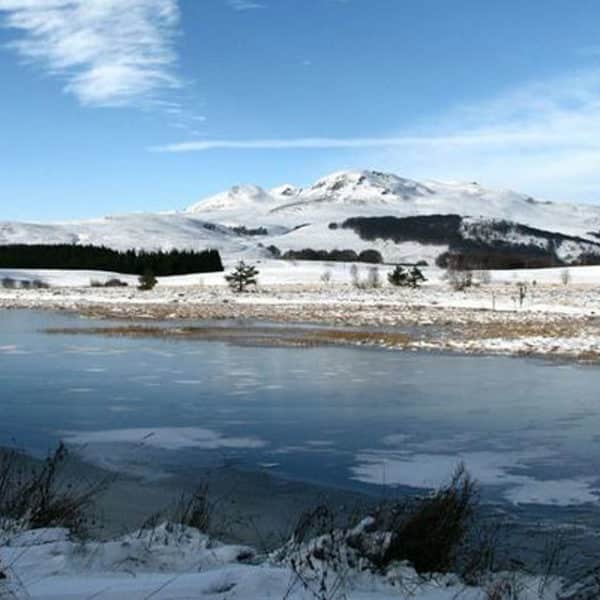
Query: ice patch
{"points": [[505, 469], [164, 438], [560, 492]]}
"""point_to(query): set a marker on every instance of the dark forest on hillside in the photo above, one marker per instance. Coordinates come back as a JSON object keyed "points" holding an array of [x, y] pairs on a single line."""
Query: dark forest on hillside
{"points": [[99, 258]]}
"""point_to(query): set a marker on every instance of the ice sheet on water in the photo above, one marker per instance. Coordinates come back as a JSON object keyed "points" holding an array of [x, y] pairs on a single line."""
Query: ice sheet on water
{"points": [[508, 470], [164, 438]]}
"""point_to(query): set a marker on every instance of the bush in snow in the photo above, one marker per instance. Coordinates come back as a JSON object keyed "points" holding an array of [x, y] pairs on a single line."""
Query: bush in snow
{"points": [[147, 281], [565, 277], [110, 283], [9, 283], [401, 277], [242, 276]]}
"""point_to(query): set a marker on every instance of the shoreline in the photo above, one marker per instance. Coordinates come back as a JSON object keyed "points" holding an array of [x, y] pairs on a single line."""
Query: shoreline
{"points": [[557, 323]]}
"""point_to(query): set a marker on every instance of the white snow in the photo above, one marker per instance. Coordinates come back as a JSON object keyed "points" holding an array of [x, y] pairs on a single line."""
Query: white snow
{"points": [[298, 218], [173, 562]]}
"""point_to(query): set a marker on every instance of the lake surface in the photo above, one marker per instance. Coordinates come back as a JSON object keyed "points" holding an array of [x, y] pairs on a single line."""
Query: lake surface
{"points": [[362, 419]]}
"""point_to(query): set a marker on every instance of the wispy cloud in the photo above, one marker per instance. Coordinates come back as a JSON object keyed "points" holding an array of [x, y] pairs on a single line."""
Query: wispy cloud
{"points": [[349, 143], [110, 52], [543, 137], [245, 4]]}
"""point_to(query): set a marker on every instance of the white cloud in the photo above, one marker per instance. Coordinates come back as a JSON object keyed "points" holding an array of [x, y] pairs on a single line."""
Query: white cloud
{"points": [[245, 4], [492, 138], [111, 52], [542, 138]]}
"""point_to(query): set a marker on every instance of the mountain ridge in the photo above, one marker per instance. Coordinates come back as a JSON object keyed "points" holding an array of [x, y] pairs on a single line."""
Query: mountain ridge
{"points": [[250, 222]]}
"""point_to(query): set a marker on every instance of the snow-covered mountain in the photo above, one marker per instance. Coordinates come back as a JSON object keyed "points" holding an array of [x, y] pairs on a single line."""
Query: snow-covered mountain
{"points": [[246, 220]]}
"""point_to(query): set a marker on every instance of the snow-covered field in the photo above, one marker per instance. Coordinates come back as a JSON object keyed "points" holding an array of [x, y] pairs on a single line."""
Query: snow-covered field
{"points": [[172, 562], [553, 318], [279, 273]]}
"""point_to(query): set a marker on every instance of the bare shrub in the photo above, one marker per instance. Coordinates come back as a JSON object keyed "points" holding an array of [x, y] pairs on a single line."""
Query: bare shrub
{"points": [[371, 281], [110, 283], [318, 556], [38, 284], [459, 281], [41, 497], [431, 532], [354, 275], [194, 510], [326, 276], [26, 284], [9, 283], [522, 291], [373, 278], [565, 277], [507, 587], [482, 277]]}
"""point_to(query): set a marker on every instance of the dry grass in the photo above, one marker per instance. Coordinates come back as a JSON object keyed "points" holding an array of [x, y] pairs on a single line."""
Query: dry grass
{"points": [[260, 336], [39, 496]]}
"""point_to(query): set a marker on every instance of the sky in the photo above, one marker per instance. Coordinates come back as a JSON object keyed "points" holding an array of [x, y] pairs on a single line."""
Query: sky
{"points": [[112, 106]]}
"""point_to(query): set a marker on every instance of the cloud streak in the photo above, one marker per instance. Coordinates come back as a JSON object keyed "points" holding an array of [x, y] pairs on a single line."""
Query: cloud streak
{"points": [[241, 5], [110, 52], [475, 139], [542, 137]]}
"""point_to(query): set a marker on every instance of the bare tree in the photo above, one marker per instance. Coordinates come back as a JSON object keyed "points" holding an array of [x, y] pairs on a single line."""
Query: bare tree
{"points": [[354, 274], [373, 278], [326, 276], [565, 277]]}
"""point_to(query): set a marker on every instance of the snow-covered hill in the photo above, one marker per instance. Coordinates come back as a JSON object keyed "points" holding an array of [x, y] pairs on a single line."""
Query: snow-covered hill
{"points": [[246, 220]]}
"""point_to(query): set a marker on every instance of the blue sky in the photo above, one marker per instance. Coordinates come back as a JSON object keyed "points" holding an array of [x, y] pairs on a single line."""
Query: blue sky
{"points": [[131, 105]]}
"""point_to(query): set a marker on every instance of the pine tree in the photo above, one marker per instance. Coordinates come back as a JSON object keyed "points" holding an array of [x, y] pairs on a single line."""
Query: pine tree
{"points": [[147, 281], [243, 276], [416, 277], [402, 278], [398, 277]]}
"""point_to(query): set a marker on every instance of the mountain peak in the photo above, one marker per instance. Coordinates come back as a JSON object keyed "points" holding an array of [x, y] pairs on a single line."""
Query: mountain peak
{"points": [[365, 183], [237, 197]]}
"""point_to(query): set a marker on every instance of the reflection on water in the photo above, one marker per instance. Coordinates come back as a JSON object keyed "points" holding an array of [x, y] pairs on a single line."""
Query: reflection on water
{"points": [[527, 430]]}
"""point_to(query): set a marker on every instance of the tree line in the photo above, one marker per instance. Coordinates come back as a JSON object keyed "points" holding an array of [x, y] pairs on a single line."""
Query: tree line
{"points": [[100, 258]]}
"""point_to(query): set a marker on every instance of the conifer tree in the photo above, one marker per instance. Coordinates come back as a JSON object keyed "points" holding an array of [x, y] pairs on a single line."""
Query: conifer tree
{"points": [[242, 276], [147, 281], [402, 278]]}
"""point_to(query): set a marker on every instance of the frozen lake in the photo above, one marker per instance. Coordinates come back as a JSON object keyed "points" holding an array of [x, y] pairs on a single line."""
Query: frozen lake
{"points": [[529, 431]]}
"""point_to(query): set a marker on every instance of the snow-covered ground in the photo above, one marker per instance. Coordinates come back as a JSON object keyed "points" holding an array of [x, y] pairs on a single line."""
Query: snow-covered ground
{"points": [[279, 273], [553, 318], [179, 563]]}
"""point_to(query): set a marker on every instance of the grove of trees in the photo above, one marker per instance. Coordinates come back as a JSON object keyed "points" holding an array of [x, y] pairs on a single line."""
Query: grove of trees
{"points": [[71, 256]]}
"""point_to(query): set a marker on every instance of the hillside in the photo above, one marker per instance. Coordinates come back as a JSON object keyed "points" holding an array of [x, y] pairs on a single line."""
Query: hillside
{"points": [[425, 220]]}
